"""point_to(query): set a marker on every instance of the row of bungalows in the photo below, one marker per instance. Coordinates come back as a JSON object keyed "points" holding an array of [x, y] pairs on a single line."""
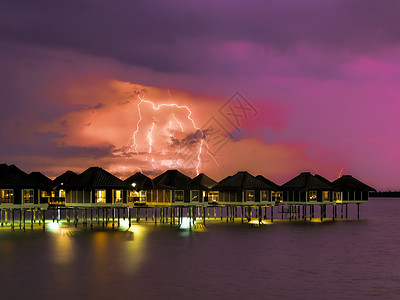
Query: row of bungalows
{"points": [[96, 187]]}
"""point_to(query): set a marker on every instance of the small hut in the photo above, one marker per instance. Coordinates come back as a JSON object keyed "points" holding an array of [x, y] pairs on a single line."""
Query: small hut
{"points": [[243, 188], [45, 184], [307, 188], [200, 189], [96, 187], [171, 187], [17, 189], [276, 192], [350, 190], [59, 187], [140, 185]]}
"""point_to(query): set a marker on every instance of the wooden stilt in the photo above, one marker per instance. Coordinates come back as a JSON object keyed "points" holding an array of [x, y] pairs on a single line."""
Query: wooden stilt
{"points": [[44, 220]]}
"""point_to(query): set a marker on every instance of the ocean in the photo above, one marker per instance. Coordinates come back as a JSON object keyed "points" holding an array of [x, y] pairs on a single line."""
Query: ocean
{"points": [[345, 259]]}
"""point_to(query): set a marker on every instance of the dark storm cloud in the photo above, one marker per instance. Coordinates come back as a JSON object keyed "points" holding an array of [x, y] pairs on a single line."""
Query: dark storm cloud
{"points": [[179, 35], [43, 146]]}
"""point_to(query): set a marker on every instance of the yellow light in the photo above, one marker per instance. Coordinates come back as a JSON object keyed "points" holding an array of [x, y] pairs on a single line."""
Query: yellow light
{"points": [[134, 184], [53, 226]]}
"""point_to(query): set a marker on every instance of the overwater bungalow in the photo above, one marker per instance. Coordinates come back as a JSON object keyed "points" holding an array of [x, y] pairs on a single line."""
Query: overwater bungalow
{"points": [[276, 193], [200, 189], [307, 189], [350, 190], [244, 189], [96, 187], [18, 190], [140, 185], [46, 186], [59, 188], [171, 187]]}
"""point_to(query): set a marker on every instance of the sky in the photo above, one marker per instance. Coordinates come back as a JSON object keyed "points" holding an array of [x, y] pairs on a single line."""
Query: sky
{"points": [[271, 87]]}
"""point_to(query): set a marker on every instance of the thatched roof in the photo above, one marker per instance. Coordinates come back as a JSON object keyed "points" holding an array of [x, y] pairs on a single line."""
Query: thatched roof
{"points": [[96, 177], [64, 179], [42, 180], [306, 181], [242, 181], [141, 181], [12, 177], [272, 184], [172, 179], [202, 182], [349, 183]]}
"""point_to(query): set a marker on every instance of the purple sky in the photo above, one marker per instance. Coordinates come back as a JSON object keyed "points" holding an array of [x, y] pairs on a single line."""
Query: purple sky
{"points": [[321, 76]]}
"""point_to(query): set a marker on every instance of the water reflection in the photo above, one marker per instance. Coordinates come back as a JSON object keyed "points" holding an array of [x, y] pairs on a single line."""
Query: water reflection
{"points": [[135, 249], [63, 252]]}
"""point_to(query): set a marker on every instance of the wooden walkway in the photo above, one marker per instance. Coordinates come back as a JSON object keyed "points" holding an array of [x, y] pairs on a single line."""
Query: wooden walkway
{"points": [[24, 218]]}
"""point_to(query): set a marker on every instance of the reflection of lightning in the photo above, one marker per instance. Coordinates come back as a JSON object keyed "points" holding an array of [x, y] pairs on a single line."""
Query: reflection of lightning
{"points": [[150, 136]]}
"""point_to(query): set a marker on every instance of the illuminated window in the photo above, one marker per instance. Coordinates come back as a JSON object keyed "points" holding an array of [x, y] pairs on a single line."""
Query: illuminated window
{"points": [[117, 196], [45, 194], [337, 196], [277, 196], [179, 195], [249, 195], [312, 195], [100, 196], [61, 194], [28, 196], [264, 196], [326, 196], [7, 196], [194, 195], [213, 196]]}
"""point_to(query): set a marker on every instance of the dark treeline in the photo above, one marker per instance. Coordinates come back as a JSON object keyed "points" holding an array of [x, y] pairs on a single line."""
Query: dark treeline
{"points": [[385, 194]]}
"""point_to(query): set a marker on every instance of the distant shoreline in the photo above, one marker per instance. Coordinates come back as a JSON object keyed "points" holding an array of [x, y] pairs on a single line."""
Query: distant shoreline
{"points": [[385, 194]]}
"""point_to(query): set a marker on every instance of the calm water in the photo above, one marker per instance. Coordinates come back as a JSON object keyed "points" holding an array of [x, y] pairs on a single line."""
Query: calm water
{"points": [[353, 259]]}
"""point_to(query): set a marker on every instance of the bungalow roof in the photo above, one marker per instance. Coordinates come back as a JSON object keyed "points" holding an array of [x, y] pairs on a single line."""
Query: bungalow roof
{"points": [[13, 177], [202, 181], [96, 177], [141, 181], [172, 179], [241, 181], [42, 180], [307, 181], [348, 182], [64, 178]]}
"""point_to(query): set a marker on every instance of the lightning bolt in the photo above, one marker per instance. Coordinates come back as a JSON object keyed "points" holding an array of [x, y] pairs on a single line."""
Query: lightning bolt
{"points": [[150, 139]]}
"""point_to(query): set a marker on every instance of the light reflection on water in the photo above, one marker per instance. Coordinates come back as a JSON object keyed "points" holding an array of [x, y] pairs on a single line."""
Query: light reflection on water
{"points": [[354, 259]]}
